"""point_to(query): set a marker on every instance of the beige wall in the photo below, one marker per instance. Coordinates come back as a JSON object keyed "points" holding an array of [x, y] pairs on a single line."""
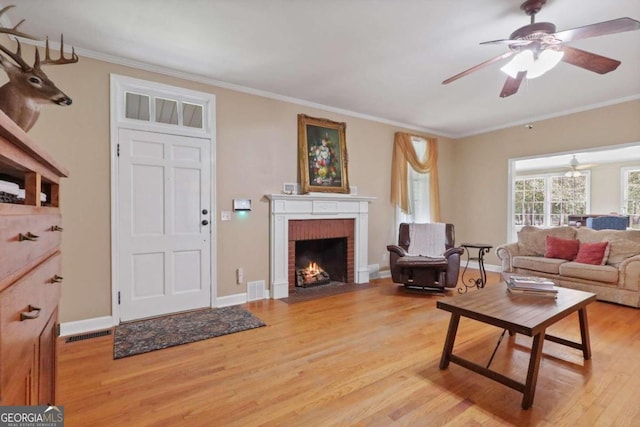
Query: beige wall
{"points": [[256, 153], [481, 185]]}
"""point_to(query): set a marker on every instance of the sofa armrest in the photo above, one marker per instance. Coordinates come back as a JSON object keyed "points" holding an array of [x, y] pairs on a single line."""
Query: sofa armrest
{"points": [[629, 274], [505, 253]]}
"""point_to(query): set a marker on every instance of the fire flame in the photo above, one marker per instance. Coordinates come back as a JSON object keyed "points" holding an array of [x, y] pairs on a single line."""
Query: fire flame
{"points": [[313, 268]]}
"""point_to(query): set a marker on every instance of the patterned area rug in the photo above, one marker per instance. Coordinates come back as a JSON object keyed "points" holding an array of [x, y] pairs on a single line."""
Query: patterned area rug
{"points": [[168, 331], [315, 292]]}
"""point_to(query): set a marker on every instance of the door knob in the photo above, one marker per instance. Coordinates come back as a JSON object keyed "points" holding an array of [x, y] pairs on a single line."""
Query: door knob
{"points": [[205, 222]]}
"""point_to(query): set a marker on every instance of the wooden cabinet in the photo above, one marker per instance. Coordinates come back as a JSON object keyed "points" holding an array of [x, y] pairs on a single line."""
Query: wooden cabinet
{"points": [[30, 270]]}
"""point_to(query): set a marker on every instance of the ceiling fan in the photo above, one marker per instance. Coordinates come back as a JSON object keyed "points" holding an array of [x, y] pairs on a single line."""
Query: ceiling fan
{"points": [[536, 48]]}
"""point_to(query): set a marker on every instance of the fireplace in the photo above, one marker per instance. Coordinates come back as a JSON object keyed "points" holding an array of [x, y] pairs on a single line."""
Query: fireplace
{"points": [[320, 261], [329, 241], [301, 218]]}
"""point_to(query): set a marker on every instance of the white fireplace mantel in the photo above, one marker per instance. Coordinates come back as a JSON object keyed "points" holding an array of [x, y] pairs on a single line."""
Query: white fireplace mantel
{"points": [[285, 207]]}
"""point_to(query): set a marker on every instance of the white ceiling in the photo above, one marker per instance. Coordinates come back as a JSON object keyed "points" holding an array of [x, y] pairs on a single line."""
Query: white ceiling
{"points": [[384, 59]]}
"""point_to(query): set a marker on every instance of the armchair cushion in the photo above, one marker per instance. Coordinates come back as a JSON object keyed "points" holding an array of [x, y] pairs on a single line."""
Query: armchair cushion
{"points": [[608, 222]]}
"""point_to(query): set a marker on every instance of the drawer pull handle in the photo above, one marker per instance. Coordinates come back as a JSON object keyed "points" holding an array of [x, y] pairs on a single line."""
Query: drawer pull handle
{"points": [[27, 237], [56, 279], [33, 313], [56, 228]]}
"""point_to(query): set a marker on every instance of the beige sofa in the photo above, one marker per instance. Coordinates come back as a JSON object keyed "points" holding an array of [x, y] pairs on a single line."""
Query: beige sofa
{"points": [[617, 280]]}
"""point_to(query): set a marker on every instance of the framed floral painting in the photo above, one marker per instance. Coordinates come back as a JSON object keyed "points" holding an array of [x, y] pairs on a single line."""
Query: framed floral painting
{"points": [[322, 153]]}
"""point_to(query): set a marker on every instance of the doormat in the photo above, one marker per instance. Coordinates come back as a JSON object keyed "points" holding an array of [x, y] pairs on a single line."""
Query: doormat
{"points": [[154, 334], [323, 291]]}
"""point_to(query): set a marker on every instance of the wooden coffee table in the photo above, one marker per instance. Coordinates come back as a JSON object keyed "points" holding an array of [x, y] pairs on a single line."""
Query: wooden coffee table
{"points": [[523, 314]]}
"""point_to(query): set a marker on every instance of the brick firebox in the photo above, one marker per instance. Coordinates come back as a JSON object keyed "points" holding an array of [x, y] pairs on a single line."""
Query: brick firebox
{"points": [[312, 229]]}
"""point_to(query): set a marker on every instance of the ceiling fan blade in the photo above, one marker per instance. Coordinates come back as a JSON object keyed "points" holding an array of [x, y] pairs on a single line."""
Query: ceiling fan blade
{"points": [[510, 42], [512, 85], [600, 29], [479, 66], [589, 61]]}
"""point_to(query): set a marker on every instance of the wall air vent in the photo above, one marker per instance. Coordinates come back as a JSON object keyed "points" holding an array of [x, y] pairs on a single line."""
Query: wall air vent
{"points": [[88, 336]]}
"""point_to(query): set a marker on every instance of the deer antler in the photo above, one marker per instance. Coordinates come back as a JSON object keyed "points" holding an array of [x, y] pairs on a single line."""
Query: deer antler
{"points": [[17, 57], [14, 31], [59, 61]]}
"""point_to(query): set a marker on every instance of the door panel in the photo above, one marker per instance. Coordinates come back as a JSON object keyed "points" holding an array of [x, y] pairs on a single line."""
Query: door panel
{"points": [[164, 247]]}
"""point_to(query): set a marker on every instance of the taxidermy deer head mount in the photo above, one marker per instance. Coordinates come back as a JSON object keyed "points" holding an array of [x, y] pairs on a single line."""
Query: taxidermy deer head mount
{"points": [[29, 88]]}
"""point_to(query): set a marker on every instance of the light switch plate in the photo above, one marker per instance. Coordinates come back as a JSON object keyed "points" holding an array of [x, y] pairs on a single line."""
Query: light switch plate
{"points": [[225, 216]]}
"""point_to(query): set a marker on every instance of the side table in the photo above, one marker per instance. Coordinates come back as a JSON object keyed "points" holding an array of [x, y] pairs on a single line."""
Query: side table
{"points": [[478, 282]]}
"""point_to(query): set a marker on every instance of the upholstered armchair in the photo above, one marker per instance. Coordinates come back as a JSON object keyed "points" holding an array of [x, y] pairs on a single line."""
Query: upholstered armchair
{"points": [[425, 257], [608, 222]]}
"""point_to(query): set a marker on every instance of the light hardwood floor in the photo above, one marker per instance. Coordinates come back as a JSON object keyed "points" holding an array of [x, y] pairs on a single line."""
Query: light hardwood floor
{"points": [[365, 358]]}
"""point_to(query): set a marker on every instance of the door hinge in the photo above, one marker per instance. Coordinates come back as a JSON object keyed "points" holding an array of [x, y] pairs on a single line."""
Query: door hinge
{"points": [[118, 150], [118, 297], [57, 329]]}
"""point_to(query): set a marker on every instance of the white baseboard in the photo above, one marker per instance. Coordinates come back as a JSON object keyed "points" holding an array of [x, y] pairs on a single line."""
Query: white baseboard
{"points": [[236, 299], [87, 325], [384, 274], [106, 322]]}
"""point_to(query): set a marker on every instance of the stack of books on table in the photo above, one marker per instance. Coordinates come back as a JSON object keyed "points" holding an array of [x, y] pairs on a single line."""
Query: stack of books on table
{"points": [[527, 285]]}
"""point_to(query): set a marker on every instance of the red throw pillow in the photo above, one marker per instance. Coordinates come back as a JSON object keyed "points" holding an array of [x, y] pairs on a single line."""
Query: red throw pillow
{"points": [[593, 253], [561, 248]]}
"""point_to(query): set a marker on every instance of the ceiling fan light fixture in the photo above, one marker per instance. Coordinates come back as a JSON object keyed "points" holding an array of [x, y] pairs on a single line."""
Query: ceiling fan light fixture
{"points": [[535, 67], [547, 59], [522, 61]]}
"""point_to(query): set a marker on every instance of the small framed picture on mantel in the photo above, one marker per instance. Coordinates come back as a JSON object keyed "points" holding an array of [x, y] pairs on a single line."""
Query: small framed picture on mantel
{"points": [[322, 154]]}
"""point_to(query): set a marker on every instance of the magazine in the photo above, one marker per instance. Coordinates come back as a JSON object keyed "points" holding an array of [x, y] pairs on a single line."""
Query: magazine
{"points": [[526, 282], [544, 294]]}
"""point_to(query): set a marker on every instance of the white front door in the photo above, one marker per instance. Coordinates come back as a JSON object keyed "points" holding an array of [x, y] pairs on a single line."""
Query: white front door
{"points": [[164, 231]]}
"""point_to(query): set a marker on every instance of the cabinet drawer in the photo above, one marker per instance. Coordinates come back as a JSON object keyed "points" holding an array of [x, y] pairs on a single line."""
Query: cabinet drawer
{"points": [[19, 333], [16, 253]]}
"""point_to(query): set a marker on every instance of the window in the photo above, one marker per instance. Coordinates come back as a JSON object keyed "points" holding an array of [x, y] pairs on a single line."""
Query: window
{"points": [[547, 200], [147, 103], [418, 189], [631, 195]]}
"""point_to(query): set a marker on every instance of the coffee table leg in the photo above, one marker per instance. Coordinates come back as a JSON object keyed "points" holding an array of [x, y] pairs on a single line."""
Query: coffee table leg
{"points": [[584, 333], [451, 337], [532, 373]]}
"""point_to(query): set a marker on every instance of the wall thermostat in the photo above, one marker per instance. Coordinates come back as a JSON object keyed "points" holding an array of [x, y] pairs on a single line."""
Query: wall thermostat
{"points": [[241, 205]]}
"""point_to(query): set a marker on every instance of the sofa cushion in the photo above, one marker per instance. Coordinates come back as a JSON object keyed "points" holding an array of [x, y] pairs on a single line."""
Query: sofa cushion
{"points": [[621, 249], [536, 263], [596, 273], [561, 248], [533, 240], [593, 253], [588, 235]]}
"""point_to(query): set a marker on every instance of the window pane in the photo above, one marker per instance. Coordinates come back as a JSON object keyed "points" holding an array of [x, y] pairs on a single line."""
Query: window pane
{"points": [[137, 106], [632, 196], [534, 205], [192, 115], [166, 111]]}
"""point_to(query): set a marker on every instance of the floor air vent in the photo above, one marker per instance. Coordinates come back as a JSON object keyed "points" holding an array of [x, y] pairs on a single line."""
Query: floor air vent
{"points": [[255, 290], [88, 336]]}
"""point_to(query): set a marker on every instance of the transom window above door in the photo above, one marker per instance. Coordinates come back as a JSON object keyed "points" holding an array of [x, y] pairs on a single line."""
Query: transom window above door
{"points": [[142, 104], [167, 111]]}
